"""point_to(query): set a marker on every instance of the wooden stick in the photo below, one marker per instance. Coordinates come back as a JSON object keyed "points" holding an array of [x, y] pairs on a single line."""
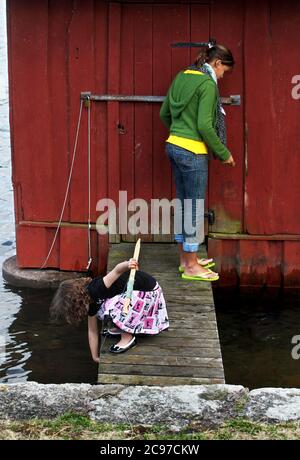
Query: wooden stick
{"points": [[131, 278]]}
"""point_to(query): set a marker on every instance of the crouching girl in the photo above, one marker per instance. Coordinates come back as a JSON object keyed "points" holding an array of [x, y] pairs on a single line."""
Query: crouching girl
{"points": [[104, 297]]}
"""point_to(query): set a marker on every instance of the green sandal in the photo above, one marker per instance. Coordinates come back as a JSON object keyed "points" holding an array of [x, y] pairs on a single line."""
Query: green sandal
{"points": [[205, 277], [208, 265]]}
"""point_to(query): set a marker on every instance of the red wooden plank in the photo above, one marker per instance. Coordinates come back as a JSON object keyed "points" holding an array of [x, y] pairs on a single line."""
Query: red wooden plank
{"points": [[10, 14], [114, 37], [183, 22], [291, 264], [225, 254], [58, 163], [28, 56], [95, 249], [283, 191], [100, 109], [33, 244], [253, 263], [166, 63], [226, 184], [103, 247], [73, 249], [143, 111], [214, 250], [126, 130], [261, 119], [70, 251], [247, 262], [200, 20], [81, 77], [230, 272], [274, 264]]}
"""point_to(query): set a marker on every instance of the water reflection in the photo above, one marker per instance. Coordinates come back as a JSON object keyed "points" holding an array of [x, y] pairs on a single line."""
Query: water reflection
{"points": [[255, 335], [39, 351]]}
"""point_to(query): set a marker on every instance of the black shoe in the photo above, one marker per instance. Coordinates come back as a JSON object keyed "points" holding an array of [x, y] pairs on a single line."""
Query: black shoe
{"points": [[116, 349], [109, 333]]}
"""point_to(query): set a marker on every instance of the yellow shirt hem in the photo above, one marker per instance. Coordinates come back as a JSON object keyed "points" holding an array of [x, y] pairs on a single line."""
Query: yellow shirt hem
{"points": [[197, 147]]}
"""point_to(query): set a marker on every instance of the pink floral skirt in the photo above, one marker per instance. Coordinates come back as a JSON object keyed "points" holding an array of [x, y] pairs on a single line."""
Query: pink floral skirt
{"points": [[147, 312]]}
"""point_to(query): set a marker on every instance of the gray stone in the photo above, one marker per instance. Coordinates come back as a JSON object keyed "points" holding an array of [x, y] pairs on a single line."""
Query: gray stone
{"points": [[22, 401], [175, 405], [35, 278], [273, 405]]}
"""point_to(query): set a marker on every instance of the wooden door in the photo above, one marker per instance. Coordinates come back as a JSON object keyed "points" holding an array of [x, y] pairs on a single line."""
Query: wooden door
{"points": [[141, 61]]}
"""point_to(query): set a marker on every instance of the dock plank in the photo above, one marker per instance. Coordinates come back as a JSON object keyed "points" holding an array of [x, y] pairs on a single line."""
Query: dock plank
{"points": [[157, 380], [189, 351]]}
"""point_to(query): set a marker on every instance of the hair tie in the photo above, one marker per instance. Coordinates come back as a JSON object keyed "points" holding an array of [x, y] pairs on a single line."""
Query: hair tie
{"points": [[211, 42]]}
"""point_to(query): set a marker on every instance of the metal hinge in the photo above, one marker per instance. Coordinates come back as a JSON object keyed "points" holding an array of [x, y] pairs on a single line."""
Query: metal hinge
{"points": [[231, 100], [210, 214]]}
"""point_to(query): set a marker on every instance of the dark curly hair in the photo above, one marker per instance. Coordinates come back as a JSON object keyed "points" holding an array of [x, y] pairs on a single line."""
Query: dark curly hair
{"points": [[71, 301]]}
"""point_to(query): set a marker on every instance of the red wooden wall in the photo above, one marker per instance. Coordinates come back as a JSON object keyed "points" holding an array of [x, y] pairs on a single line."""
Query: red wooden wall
{"points": [[57, 49], [268, 252]]}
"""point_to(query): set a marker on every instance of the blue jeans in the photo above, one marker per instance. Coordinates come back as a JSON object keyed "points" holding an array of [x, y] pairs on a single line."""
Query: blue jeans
{"points": [[190, 172]]}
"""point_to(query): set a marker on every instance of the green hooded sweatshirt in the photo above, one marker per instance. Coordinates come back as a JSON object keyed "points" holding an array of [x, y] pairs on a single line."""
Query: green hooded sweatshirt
{"points": [[189, 111]]}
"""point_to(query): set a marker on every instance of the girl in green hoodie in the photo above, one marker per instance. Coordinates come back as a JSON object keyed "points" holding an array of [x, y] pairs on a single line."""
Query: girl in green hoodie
{"points": [[195, 118]]}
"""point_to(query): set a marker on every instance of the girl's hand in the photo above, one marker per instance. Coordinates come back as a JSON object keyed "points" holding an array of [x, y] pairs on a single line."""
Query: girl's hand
{"points": [[96, 359], [133, 264], [230, 161], [126, 265]]}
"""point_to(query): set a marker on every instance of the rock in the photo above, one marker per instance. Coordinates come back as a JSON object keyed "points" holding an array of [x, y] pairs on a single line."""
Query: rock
{"points": [[22, 401], [177, 405], [35, 278], [273, 405]]}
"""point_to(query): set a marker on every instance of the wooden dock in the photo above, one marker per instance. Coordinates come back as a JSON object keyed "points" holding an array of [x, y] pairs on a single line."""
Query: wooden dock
{"points": [[189, 351]]}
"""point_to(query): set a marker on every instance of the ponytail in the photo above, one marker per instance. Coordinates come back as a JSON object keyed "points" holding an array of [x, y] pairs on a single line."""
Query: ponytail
{"points": [[213, 51]]}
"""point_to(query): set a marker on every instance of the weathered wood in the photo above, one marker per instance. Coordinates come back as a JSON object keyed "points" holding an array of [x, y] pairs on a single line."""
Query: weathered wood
{"points": [[164, 361], [194, 316], [155, 350], [133, 369], [185, 324], [156, 380], [189, 351], [178, 342], [176, 339], [165, 350], [192, 333]]}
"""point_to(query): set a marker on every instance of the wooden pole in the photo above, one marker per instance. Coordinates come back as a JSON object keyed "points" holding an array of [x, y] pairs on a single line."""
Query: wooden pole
{"points": [[131, 278]]}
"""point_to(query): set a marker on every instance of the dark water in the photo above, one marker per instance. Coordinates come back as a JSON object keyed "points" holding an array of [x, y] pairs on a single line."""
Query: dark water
{"points": [[256, 339], [37, 350]]}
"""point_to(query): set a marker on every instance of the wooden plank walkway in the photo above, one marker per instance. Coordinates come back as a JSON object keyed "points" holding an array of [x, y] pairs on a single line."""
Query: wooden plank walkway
{"points": [[189, 351]]}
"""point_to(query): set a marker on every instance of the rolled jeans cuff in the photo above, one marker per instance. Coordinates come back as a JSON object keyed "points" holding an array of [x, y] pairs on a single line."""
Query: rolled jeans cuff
{"points": [[190, 247], [178, 238]]}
